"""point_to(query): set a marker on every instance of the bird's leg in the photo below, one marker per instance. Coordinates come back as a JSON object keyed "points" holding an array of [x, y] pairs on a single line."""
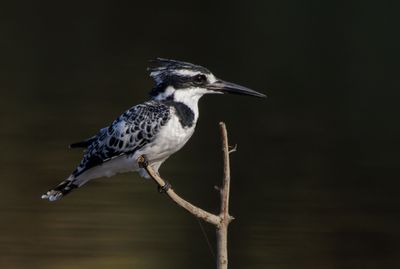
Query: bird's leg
{"points": [[165, 188], [143, 163]]}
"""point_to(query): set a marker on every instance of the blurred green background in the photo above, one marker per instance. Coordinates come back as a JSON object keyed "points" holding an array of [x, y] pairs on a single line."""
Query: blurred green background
{"points": [[315, 179]]}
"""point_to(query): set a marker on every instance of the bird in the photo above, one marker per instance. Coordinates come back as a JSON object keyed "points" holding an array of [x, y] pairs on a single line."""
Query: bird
{"points": [[155, 129]]}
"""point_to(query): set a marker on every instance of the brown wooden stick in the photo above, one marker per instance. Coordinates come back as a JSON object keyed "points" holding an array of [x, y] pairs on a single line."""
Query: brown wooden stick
{"points": [[194, 210], [222, 230], [221, 221]]}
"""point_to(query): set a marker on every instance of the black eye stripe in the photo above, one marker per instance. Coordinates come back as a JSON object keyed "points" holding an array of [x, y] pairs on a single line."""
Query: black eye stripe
{"points": [[179, 82]]}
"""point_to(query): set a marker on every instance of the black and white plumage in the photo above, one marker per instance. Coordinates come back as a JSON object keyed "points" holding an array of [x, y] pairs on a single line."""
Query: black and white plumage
{"points": [[156, 129]]}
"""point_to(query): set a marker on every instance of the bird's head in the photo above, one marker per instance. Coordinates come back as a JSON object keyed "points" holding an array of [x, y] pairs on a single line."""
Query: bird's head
{"points": [[176, 80]]}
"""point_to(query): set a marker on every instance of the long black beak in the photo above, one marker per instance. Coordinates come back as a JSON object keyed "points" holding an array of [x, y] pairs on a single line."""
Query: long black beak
{"points": [[229, 87]]}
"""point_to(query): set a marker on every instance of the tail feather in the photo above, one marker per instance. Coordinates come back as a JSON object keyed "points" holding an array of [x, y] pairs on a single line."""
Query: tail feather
{"points": [[82, 144], [60, 190]]}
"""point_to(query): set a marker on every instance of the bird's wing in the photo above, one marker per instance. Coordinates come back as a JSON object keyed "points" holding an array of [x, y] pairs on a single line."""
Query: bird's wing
{"points": [[128, 133]]}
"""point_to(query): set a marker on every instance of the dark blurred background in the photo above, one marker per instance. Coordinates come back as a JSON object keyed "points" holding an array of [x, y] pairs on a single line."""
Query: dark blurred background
{"points": [[314, 180]]}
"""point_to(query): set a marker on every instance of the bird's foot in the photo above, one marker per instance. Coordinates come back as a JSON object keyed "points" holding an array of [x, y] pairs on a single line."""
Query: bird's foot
{"points": [[143, 163], [165, 188]]}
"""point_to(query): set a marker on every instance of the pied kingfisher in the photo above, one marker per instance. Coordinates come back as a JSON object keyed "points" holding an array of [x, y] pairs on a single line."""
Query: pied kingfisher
{"points": [[155, 129]]}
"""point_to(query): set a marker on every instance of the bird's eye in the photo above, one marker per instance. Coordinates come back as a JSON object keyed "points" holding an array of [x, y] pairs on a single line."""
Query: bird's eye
{"points": [[200, 78]]}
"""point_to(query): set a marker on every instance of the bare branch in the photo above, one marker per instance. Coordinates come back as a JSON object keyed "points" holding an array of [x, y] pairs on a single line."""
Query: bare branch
{"points": [[221, 221], [194, 210], [222, 231]]}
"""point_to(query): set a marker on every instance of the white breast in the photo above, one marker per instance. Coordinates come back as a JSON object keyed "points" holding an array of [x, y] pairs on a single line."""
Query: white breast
{"points": [[171, 138]]}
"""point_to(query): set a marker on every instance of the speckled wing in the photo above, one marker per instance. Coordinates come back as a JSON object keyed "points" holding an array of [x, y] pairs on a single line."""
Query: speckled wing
{"points": [[128, 133]]}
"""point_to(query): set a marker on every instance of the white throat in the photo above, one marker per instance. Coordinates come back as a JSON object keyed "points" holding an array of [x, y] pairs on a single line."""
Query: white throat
{"points": [[190, 97]]}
